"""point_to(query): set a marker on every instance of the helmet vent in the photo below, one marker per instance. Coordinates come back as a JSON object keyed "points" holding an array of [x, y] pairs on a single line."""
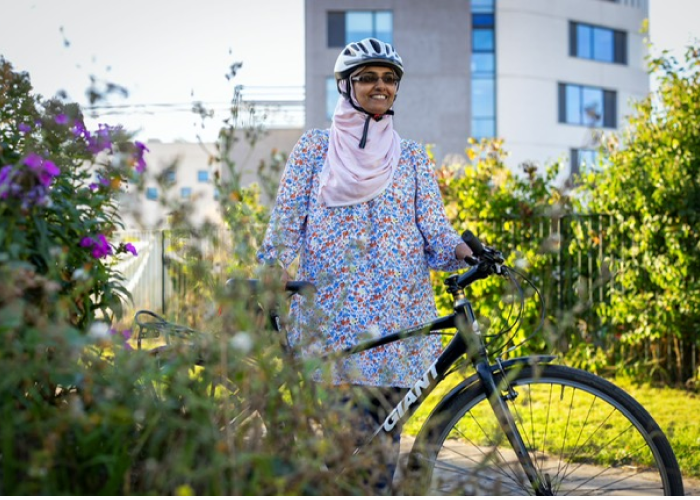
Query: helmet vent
{"points": [[375, 45]]}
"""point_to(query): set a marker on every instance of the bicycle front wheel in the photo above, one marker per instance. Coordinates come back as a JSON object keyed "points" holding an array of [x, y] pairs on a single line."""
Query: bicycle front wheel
{"points": [[585, 436]]}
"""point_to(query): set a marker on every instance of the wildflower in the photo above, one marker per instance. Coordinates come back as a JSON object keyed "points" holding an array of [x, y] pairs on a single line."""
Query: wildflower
{"points": [[99, 331], [24, 128], [45, 170], [7, 185], [61, 119], [130, 248], [100, 246], [242, 342], [33, 160], [101, 140], [124, 341], [80, 274], [5, 174], [79, 131], [140, 162]]}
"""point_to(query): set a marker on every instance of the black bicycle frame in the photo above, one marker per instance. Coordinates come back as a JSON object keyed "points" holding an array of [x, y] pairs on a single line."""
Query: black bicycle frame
{"points": [[467, 341]]}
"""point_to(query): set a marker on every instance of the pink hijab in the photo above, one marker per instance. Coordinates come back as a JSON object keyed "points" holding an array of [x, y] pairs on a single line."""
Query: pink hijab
{"points": [[352, 175]]}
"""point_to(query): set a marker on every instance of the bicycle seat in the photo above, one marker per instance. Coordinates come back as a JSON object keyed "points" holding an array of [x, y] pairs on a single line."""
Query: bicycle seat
{"points": [[254, 286]]}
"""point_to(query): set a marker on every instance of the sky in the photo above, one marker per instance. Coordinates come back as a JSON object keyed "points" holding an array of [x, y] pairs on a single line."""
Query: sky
{"points": [[169, 53]]}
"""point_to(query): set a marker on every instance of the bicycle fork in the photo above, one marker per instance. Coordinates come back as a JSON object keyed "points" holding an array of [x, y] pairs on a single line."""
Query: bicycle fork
{"points": [[498, 401]]}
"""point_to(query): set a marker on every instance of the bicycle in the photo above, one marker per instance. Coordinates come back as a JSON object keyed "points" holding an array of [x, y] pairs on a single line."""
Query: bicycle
{"points": [[521, 425]]}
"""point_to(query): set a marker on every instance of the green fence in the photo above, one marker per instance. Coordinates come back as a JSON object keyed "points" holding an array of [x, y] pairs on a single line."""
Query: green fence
{"points": [[171, 274]]}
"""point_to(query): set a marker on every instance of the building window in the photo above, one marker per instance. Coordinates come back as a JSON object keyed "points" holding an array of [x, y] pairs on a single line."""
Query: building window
{"points": [[331, 97], [151, 193], [599, 44], [185, 193], [482, 6], [483, 64], [169, 176], [354, 25], [581, 158], [588, 106], [202, 175]]}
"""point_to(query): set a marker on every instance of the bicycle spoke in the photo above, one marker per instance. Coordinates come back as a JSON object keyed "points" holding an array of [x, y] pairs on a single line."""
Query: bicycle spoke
{"points": [[610, 468], [569, 436], [478, 472], [494, 444]]}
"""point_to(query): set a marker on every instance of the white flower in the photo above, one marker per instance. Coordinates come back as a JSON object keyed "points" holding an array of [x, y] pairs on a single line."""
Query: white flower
{"points": [[80, 274], [242, 342], [99, 331]]}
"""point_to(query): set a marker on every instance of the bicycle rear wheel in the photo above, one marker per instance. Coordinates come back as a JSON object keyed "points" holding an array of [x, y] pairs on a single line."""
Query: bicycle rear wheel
{"points": [[585, 436]]}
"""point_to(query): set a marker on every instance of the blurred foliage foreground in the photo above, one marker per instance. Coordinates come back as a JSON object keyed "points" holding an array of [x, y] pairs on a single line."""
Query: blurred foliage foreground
{"points": [[84, 413]]}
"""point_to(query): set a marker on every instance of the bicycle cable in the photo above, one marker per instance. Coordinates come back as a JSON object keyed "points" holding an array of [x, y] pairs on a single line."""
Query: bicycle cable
{"points": [[542, 311], [508, 326]]}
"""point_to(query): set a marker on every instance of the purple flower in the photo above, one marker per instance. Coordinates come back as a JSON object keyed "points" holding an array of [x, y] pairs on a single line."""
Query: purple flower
{"points": [[5, 173], [79, 131], [7, 187], [100, 246], [130, 248], [24, 128], [86, 242], [140, 162], [125, 334], [61, 119], [94, 186], [100, 140], [49, 171], [33, 161], [45, 170]]}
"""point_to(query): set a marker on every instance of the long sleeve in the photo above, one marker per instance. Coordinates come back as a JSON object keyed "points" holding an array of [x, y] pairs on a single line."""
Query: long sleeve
{"points": [[287, 225], [439, 235]]}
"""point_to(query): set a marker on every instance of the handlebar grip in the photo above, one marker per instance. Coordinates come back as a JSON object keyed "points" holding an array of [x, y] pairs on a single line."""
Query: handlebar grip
{"points": [[470, 239]]}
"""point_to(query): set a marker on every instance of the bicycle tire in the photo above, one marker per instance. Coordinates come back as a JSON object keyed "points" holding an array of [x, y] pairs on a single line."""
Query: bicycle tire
{"points": [[601, 441]]}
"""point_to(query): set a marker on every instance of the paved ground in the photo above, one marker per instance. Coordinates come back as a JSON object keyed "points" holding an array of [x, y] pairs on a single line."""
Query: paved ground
{"points": [[486, 484]]}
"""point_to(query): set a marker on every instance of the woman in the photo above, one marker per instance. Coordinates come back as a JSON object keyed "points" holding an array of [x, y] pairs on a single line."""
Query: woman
{"points": [[361, 208]]}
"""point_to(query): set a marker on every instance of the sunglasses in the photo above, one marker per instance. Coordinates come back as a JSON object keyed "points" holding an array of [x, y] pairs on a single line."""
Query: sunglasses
{"points": [[371, 79]]}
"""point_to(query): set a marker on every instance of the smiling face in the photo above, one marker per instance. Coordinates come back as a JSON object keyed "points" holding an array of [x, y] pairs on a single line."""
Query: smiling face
{"points": [[376, 98]]}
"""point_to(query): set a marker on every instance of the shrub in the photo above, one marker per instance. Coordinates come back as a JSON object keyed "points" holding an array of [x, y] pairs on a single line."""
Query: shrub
{"points": [[648, 184]]}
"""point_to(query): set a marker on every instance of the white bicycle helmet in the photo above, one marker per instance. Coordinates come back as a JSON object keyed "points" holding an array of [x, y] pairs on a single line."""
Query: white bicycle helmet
{"points": [[364, 52]]}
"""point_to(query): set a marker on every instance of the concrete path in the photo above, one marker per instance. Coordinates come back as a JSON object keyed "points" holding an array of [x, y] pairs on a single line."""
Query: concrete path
{"points": [[492, 482]]}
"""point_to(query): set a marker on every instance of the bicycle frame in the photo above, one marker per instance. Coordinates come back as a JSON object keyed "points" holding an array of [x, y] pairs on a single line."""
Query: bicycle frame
{"points": [[468, 341]]}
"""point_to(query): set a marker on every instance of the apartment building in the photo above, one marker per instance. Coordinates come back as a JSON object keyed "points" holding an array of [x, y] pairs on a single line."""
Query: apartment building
{"points": [[545, 75]]}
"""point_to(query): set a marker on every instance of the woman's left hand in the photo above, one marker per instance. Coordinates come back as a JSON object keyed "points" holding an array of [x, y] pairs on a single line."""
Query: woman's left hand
{"points": [[463, 251]]}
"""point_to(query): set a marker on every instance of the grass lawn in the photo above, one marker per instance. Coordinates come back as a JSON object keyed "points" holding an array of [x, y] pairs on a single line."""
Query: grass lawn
{"points": [[674, 410]]}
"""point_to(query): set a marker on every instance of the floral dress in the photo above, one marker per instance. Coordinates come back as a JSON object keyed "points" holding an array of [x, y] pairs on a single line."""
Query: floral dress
{"points": [[370, 263]]}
